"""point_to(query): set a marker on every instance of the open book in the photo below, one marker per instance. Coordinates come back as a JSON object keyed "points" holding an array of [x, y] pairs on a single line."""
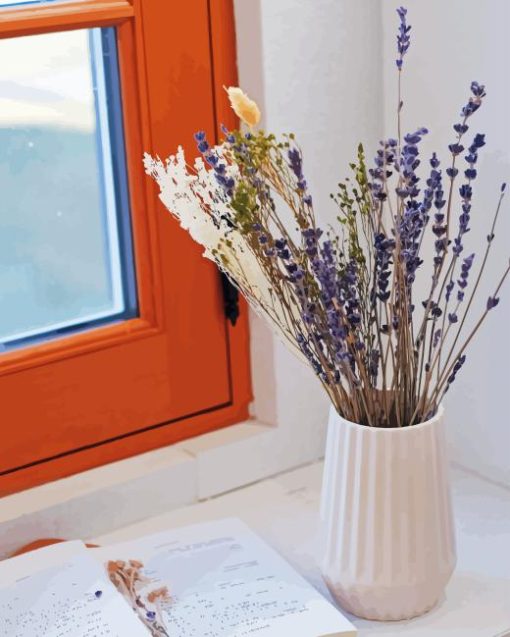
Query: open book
{"points": [[216, 579]]}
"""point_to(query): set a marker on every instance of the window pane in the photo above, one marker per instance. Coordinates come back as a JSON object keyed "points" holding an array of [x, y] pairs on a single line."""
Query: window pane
{"points": [[65, 246]]}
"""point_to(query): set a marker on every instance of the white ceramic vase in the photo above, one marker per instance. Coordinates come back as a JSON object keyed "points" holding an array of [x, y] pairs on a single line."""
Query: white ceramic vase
{"points": [[387, 518]]}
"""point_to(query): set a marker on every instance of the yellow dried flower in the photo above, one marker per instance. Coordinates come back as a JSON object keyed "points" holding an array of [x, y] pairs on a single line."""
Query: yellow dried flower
{"points": [[245, 108]]}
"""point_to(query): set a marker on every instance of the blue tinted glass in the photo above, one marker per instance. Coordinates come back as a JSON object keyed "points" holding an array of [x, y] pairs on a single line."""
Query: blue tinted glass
{"points": [[65, 242]]}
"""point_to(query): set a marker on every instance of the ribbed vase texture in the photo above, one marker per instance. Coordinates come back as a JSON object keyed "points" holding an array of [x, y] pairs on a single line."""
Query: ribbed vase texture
{"points": [[387, 518]]}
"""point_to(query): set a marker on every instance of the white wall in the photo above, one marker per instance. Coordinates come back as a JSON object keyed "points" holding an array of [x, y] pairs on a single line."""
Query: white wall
{"points": [[453, 43], [325, 70], [311, 73]]}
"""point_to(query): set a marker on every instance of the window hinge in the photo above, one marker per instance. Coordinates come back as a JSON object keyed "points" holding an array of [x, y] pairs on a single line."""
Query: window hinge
{"points": [[230, 299]]}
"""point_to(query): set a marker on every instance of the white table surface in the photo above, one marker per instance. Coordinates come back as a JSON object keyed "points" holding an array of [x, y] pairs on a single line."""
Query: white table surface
{"points": [[284, 511]]}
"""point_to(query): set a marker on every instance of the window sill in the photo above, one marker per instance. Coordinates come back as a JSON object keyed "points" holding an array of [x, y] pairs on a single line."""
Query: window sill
{"points": [[124, 492]]}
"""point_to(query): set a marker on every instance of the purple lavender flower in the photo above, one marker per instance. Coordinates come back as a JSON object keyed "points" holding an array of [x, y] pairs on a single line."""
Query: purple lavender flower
{"points": [[456, 149], [349, 289], [449, 289], [203, 147], [403, 37], [296, 165], [492, 301], [229, 137], [201, 141], [384, 159], [339, 296], [478, 90], [464, 272], [434, 161], [478, 141], [383, 254], [211, 159], [466, 193], [408, 162], [434, 194], [460, 128], [435, 310], [456, 368], [227, 183], [295, 162], [474, 103], [414, 220], [472, 156]]}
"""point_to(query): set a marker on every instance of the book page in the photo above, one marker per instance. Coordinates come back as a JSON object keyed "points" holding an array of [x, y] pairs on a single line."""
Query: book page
{"points": [[70, 598], [21, 566], [218, 579]]}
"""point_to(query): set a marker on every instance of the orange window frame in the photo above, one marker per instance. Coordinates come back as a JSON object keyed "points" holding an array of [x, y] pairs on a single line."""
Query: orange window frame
{"points": [[147, 31]]}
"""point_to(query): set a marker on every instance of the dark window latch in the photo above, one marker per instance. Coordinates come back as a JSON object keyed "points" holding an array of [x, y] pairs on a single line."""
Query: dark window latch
{"points": [[230, 299]]}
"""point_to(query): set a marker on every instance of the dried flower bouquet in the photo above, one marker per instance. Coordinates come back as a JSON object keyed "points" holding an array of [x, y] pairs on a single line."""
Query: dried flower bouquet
{"points": [[345, 298]]}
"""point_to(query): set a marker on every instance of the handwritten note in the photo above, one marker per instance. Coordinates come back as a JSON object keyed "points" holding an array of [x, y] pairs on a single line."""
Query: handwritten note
{"points": [[73, 599]]}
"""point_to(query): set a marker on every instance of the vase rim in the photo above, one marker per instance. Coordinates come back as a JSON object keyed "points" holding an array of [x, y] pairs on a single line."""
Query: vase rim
{"points": [[421, 425]]}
